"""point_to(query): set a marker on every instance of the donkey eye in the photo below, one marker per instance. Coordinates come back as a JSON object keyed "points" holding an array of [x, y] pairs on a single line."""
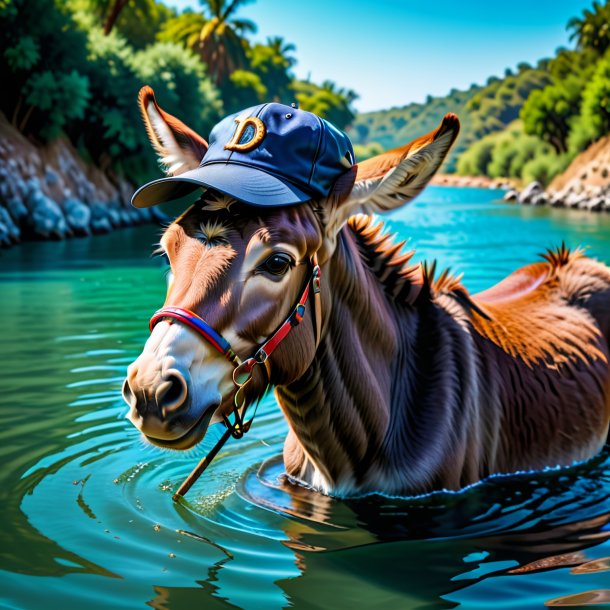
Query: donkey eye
{"points": [[277, 264]]}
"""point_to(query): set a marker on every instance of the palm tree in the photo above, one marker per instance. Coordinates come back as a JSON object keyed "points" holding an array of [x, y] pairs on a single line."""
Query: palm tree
{"points": [[216, 35], [221, 41], [184, 28], [592, 30], [283, 49]]}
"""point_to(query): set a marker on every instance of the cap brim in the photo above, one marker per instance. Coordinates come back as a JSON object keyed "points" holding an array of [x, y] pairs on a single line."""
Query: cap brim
{"points": [[242, 182]]}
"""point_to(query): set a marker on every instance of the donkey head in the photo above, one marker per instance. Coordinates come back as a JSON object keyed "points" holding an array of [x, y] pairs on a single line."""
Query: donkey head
{"points": [[242, 268]]}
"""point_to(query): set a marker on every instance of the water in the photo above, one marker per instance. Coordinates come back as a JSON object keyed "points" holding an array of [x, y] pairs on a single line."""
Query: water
{"points": [[87, 515]]}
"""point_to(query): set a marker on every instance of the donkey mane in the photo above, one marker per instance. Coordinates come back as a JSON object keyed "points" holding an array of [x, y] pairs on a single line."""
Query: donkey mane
{"points": [[405, 283]]}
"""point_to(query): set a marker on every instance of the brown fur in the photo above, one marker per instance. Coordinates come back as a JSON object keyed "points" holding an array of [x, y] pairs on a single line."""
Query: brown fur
{"points": [[415, 385]]}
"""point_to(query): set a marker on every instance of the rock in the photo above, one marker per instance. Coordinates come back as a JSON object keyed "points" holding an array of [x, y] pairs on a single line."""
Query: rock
{"points": [[78, 216], [511, 195], [144, 214], [527, 194], [16, 208], [5, 237], [45, 218], [557, 199], [114, 215], [539, 199], [50, 177], [126, 218], [594, 204], [100, 222], [11, 228], [573, 200]]}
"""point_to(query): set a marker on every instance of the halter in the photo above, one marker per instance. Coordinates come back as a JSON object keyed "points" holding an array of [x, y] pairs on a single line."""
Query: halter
{"points": [[242, 371]]}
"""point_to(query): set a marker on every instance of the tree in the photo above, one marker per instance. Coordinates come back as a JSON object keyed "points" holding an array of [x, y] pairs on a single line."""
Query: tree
{"points": [[596, 101], [592, 30], [271, 62], [184, 29], [547, 113], [328, 101]]}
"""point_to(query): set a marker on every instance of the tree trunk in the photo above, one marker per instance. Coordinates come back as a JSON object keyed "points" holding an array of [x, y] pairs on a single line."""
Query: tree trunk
{"points": [[113, 15]]}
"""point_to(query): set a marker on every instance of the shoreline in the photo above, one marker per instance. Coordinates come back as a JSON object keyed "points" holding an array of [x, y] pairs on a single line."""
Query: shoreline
{"points": [[483, 182]]}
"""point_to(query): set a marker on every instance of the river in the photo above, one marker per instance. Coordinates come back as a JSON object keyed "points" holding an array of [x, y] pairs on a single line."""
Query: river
{"points": [[87, 515]]}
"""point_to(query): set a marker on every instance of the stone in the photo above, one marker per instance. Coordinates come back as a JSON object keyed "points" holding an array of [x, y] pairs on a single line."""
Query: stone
{"points": [[539, 199], [573, 200], [594, 204], [114, 216], [527, 194], [45, 219], [16, 208], [51, 177], [125, 217], [144, 214], [5, 238], [78, 216], [100, 222], [12, 229], [511, 195]]}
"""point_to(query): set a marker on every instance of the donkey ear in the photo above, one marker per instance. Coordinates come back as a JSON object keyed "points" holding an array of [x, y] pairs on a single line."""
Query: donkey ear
{"points": [[178, 146], [389, 180]]}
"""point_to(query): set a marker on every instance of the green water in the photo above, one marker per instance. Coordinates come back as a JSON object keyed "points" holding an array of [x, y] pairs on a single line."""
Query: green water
{"points": [[87, 516]]}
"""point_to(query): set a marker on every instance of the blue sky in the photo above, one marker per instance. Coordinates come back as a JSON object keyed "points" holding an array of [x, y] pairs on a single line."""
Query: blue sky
{"points": [[393, 52]]}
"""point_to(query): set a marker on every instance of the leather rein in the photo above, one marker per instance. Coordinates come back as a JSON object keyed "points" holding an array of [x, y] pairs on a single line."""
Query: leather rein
{"points": [[242, 371]]}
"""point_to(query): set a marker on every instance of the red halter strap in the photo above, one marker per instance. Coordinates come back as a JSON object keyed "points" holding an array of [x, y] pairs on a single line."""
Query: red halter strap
{"points": [[242, 373]]}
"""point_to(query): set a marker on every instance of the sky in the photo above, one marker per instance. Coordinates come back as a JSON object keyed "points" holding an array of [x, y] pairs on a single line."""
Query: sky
{"points": [[393, 52]]}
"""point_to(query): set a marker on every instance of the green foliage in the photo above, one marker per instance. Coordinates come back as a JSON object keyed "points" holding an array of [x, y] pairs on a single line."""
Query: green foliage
{"points": [[66, 74], [563, 103], [24, 55], [482, 110], [366, 151], [62, 97], [596, 101], [592, 30], [113, 124], [184, 29], [139, 21], [511, 153], [271, 62], [243, 89], [327, 101], [180, 79], [547, 113], [544, 168], [44, 85]]}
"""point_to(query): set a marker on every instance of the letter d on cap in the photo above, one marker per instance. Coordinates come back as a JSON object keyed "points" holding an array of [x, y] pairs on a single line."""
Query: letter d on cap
{"points": [[248, 135]]}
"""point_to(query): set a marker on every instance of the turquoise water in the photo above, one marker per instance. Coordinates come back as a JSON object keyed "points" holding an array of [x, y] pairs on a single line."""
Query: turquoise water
{"points": [[87, 515]]}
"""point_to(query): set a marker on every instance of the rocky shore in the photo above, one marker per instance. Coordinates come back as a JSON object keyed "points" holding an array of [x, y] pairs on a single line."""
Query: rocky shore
{"points": [[585, 185], [49, 192]]}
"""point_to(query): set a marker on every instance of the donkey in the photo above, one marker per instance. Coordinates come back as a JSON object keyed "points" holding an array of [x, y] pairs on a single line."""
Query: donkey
{"points": [[399, 381]]}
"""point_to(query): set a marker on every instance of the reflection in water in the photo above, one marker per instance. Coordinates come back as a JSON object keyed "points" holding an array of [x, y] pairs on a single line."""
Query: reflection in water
{"points": [[88, 520], [430, 547]]}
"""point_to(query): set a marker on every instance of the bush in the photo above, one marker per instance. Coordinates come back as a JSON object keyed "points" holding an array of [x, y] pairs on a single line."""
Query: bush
{"points": [[543, 168], [596, 102]]}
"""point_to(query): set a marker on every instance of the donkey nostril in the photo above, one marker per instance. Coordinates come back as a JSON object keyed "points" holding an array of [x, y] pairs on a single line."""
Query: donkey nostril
{"points": [[171, 394], [128, 395]]}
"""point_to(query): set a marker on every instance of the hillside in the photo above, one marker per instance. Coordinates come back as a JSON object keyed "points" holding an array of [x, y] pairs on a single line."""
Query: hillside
{"points": [[589, 172], [482, 109]]}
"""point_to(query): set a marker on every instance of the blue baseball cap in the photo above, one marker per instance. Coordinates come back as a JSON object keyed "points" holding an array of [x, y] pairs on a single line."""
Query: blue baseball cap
{"points": [[266, 155]]}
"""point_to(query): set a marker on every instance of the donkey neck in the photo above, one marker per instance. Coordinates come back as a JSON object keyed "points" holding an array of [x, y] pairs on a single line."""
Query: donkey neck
{"points": [[379, 381]]}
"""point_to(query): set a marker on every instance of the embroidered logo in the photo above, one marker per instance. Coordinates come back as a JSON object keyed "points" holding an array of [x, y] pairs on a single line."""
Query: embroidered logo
{"points": [[248, 134]]}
